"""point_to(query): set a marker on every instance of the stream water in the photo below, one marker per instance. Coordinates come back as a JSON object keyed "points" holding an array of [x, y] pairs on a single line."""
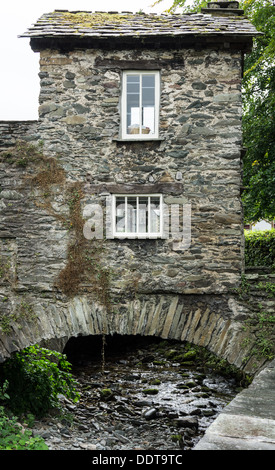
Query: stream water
{"points": [[138, 395], [140, 398]]}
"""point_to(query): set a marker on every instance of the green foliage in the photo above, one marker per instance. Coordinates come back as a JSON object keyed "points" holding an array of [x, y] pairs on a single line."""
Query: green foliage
{"points": [[258, 93], [14, 437], [194, 6], [36, 377], [261, 329], [259, 111], [260, 248]]}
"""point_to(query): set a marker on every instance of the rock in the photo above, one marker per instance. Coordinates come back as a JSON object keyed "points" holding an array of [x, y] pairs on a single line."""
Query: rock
{"points": [[75, 120], [196, 412], [155, 382], [198, 86], [46, 108], [150, 414], [187, 422], [141, 403]]}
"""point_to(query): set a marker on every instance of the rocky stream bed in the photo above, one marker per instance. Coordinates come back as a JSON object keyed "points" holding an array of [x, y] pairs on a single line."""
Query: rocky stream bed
{"points": [[140, 395]]}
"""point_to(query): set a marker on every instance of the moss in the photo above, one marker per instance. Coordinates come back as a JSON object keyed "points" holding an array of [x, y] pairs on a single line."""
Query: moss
{"points": [[106, 394], [155, 382], [150, 391], [43, 171], [190, 355], [87, 20], [176, 438]]}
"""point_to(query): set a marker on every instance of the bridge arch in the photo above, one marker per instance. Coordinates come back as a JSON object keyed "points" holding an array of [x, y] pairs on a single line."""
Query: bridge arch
{"points": [[213, 322]]}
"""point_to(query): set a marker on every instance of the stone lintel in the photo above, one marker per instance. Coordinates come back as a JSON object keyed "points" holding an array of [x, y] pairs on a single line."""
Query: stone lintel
{"points": [[134, 188]]}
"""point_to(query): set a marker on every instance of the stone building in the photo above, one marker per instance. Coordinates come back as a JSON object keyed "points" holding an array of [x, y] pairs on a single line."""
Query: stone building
{"points": [[144, 113]]}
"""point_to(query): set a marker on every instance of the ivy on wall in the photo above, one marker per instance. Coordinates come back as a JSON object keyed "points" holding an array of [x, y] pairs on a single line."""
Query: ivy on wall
{"points": [[83, 264]]}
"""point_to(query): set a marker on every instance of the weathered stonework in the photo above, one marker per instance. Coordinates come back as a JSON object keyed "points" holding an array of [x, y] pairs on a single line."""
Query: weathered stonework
{"points": [[200, 124], [196, 160]]}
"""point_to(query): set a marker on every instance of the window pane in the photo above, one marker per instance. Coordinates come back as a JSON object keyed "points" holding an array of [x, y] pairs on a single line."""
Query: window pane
{"points": [[133, 78], [155, 214], [148, 104], [143, 215], [133, 104], [120, 214], [131, 214], [148, 81]]}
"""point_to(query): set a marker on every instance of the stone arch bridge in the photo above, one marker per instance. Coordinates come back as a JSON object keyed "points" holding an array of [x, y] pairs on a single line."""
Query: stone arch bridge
{"points": [[213, 322]]}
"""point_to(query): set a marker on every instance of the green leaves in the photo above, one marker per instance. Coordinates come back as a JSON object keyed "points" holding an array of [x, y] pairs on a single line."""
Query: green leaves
{"points": [[36, 377], [258, 92], [14, 437], [260, 248], [259, 111]]}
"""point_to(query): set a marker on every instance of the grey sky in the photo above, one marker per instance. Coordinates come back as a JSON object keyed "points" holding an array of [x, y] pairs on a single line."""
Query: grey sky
{"points": [[19, 82]]}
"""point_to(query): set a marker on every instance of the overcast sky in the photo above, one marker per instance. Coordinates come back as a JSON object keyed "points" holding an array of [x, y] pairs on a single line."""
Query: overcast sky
{"points": [[19, 82]]}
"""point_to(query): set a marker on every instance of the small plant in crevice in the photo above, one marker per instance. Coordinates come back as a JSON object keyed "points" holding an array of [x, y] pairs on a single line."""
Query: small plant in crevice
{"points": [[23, 311], [244, 288]]}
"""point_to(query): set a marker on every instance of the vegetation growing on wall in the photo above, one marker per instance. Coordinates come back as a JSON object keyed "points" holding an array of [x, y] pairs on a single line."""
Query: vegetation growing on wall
{"points": [[83, 256], [43, 171], [260, 324], [261, 335], [83, 259], [260, 248], [23, 311]]}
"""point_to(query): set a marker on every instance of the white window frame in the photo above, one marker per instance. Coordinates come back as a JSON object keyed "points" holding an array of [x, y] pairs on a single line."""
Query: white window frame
{"points": [[137, 234], [141, 136]]}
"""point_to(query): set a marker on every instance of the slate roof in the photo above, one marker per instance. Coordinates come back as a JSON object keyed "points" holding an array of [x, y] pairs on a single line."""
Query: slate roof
{"points": [[66, 30], [63, 23]]}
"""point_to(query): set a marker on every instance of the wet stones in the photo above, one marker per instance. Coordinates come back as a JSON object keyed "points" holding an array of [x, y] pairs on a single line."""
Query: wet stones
{"points": [[187, 422], [115, 414]]}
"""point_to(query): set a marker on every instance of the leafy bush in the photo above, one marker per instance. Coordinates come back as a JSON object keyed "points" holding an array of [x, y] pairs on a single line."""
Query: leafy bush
{"points": [[36, 377], [14, 437], [260, 248]]}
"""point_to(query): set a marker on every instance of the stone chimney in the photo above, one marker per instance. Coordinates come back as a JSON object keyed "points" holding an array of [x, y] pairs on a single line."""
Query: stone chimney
{"points": [[223, 8]]}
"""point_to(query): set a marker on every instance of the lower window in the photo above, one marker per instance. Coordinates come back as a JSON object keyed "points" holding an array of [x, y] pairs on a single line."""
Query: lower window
{"points": [[137, 216]]}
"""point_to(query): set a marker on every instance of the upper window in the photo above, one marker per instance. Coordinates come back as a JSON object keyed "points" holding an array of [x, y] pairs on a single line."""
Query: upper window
{"points": [[137, 216], [140, 105]]}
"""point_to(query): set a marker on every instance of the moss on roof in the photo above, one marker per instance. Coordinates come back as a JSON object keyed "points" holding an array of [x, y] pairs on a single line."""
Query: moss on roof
{"points": [[61, 23]]}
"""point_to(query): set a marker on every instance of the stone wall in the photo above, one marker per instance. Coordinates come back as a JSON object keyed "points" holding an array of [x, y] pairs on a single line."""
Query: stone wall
{"points": [[200, 124], [196, 161]]}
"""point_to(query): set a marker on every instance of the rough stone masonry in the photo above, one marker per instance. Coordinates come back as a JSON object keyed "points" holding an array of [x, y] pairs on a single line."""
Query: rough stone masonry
{"points": [[155, 288]]}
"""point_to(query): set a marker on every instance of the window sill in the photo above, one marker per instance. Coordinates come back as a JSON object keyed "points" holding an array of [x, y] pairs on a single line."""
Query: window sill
{"points": [[137, 237], [152, 139]]}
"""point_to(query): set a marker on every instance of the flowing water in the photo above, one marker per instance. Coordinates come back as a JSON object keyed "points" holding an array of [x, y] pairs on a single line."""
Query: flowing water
{"points": [[140, 398]]}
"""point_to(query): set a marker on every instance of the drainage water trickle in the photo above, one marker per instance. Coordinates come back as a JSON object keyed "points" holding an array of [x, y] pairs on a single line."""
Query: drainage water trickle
{"points": [[145, 398]]}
